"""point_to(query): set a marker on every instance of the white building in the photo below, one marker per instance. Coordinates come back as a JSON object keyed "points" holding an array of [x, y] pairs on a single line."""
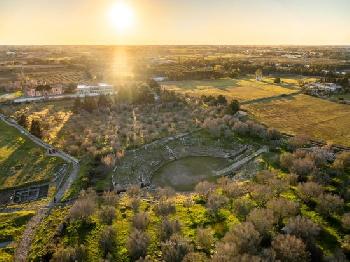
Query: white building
{"points": [[323, 88], [99, 89]]}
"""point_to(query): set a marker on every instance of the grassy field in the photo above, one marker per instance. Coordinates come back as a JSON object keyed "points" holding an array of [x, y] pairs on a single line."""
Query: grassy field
{"points": [[21, 161], [243, 89], [304, 114]]}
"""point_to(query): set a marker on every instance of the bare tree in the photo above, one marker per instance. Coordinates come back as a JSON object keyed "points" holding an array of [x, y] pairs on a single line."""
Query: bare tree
{"points": [[328, 204], [262, 219], [289, 248], [303, 228]]}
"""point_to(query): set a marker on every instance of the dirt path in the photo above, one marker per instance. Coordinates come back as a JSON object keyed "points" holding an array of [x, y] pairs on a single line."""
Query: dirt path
{"points": [[23, 247]]}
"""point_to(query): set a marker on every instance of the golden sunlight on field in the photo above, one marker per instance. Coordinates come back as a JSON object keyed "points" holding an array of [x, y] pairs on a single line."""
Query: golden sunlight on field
{"points": [[304, 114]]}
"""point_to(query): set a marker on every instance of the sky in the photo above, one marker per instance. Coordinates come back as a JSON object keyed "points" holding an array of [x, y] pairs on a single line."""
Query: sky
{"points": [[176, 22]]}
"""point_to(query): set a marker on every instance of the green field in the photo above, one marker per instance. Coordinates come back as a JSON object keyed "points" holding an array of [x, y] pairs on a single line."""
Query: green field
{"points": [[243, 89], [21, 161], [302, 114]]}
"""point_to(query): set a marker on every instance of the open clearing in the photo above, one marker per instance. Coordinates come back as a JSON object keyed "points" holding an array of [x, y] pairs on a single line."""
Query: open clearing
{"points": [[302, 114], [21, 161], [243, 89], [184, 174]]}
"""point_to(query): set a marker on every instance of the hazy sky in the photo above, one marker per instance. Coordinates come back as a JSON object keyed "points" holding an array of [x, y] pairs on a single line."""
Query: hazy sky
{"points": [[176, 22]]}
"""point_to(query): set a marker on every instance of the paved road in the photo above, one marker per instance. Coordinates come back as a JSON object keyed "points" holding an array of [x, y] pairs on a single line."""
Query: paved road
{"points": [[25, 243]]}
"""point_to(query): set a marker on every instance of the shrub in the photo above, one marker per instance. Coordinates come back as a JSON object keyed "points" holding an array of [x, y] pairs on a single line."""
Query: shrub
{"points": [[303, 167], [234, 189], [298, 141], [261, 193], [175, 249], [107, 214], [286, 160], [133, 191], [165, 193], [137, 244], [303, 228], [328, 204], [135, 203], [264, 176], [82, 209], [168, 228], [215, 202], [262, 219], [69, 254], [342, 161], [110, 198], [244, 237], [290, 248], [242, 206], [141, 221], [282, 208], [195, 257], [345, 221], [309, 190], [205, 239], [240, 128], [164, 208], [204, 188], [108, 240]]}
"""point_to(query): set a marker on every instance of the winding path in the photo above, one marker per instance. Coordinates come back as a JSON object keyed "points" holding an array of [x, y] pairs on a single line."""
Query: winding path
{"points": [[23, 247]]}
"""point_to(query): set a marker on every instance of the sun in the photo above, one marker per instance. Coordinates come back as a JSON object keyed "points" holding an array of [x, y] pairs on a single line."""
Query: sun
{"points": [[122, 16]]}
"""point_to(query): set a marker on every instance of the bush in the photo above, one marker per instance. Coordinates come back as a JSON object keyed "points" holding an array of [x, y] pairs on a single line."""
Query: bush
{"points": [[133, 191], [83, 208], [303, 167], [242, 207], [110, 198], [244, 237], [290, 248], [342, 161], [69, 254], [107, 214], [261, 193], [282, 208], [168, 228], [303, 228], [137, 244], [205, 239], [175, 249], [165, 208], [328, 204], [141, 221], [345, 221], [215, 202], [286, 160], [309, 190], [204, 188], [234, 189], [108, 240], [164, 193], [262, 219], [195, 257]]}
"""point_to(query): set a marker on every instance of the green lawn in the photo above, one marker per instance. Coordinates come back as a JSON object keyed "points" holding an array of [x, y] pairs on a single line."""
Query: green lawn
{"points": [[21, 161]]}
